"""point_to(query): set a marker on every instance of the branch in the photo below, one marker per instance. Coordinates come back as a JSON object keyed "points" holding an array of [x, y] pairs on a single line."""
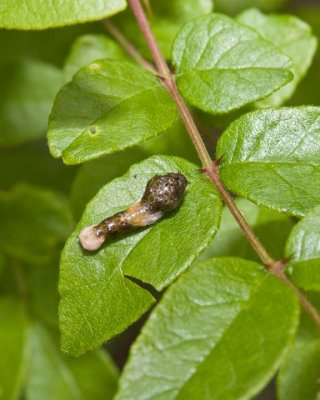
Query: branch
{"points": [[143, 23], [130, 49], [213, 173], [210, 168]]}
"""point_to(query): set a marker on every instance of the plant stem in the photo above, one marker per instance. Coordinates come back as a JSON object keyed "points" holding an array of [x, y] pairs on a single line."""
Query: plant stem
{"points": [[143, 23], [309, 307], [210, 168], [131, 50], [189, 122], [213, 173]]}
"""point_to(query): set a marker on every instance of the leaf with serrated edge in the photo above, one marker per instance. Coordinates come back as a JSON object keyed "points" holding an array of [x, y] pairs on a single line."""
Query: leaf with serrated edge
{"points": [[303, 247], [108, 106], [271, 157], [97, 300], [214, 335], [89, 48], [294, 38], [42, 14], [222, 65]]}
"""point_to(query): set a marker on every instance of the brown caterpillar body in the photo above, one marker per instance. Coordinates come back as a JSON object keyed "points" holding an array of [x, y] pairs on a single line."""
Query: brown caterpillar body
{"points": [[163, 193]]}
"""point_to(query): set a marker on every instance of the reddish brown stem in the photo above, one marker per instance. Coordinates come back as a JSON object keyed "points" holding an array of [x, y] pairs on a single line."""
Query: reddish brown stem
{"points": [[143, 23], [130, 49], [213, 174]]}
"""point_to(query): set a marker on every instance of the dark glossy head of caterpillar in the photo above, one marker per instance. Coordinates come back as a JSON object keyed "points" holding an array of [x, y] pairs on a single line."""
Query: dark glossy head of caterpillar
{"points": [[165, 192]]}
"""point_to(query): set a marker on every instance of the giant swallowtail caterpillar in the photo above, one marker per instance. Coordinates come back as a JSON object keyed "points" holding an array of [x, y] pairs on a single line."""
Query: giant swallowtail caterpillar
{"points": [[162, 194]]}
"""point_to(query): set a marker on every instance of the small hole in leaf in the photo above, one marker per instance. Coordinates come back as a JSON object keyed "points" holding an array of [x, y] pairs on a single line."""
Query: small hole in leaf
{"points": [[92, 130]]}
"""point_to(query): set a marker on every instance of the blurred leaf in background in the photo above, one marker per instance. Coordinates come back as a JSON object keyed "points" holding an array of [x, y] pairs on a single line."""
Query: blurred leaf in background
{"points": [[32, 163], [308, 91], [294, 38], [233, 7], [166, 19], [299, 375], [27, 96], [88, 48]]}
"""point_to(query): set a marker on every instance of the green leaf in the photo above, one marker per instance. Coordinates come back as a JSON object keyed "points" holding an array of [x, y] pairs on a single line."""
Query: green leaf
{"points": [[303, 247], [27, 96], [52, 376], [166, 18], [305, 274], [308, 92], [98, 300], [32, 163], [42, 14], [299, 374], [304, 241], [8, 284], [2, 262], [222, 65], [13, 335], [108, 106], [33, 221], [44, 298], [95, 174], [271, 228], [32, 358], [89, 48], [293, 37], [214, 335], [235, 6], [271, 157]]}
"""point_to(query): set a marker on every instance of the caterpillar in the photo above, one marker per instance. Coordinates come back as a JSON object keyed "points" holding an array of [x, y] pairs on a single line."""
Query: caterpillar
{"points": [[163, 193]]}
